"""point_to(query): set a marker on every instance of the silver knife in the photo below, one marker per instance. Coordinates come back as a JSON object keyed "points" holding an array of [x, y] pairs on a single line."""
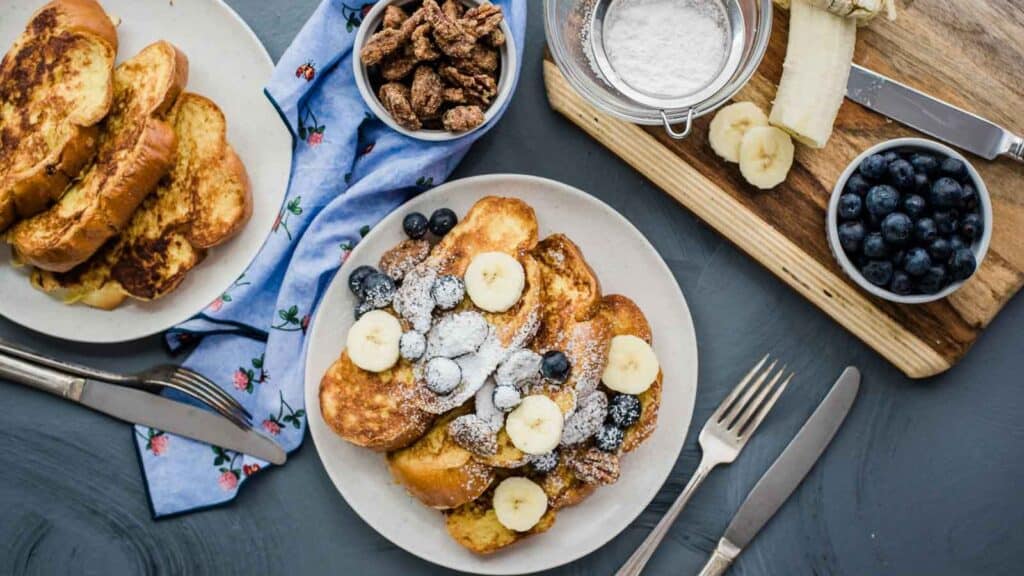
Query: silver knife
{"points": [[786, 473], [143, 408], [932, 116]]}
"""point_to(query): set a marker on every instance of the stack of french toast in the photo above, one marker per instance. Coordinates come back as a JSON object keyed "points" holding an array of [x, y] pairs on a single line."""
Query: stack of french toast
{"points": [[114, 181], [501, 383]]}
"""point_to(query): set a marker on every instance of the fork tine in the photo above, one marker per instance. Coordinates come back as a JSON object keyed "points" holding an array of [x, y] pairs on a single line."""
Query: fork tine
{"points": [[734, 412], [751, 409], [717, 415], [752, 427], [215, 401], [201, 381]]}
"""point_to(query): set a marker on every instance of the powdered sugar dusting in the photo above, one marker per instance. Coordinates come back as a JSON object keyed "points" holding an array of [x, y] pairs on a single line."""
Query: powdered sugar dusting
{"points": [[590, 412]]}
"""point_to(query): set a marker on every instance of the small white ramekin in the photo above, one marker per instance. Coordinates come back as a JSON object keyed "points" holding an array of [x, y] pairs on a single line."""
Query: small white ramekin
{"points": [[506, 79], [980, 246]]}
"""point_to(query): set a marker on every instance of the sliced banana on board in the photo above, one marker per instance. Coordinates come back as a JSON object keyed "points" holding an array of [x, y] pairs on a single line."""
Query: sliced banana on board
{"points": [[519, 503], [373, 341], [730, 124], [632, 365], [494, 281], [766, 155], [535, 426]]}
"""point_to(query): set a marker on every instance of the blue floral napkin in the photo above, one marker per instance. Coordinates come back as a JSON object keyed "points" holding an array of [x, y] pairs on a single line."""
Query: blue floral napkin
{"points": [[349, 170]]}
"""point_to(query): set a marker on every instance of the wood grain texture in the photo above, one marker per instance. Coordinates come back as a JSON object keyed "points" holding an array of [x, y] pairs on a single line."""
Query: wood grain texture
{"points": [[960, 52]]}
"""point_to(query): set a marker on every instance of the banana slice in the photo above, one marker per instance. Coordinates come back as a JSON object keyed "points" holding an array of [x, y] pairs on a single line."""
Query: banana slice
{"points": [[535, 426], [632, 365], [494, 281], [766, 155], [729, 126], [373, 341], [519, 503]]}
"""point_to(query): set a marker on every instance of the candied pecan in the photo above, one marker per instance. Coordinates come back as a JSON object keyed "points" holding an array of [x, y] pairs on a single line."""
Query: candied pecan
{"points": [[481, 20], [395, 99], [454, 95], [398, 66], [478, 86], [453, 9], [495, 38], [427, 92], [399, 260], [422, 46], [594, 466], [462, 118], [394, 16], [482, 60], [450, 37], [381, 44]]}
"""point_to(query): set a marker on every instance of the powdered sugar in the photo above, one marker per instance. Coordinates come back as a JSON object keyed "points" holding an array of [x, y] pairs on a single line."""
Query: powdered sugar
{"points": [[413, 301], [457, 334], [520, 369], [590, 413], [412, 345]]}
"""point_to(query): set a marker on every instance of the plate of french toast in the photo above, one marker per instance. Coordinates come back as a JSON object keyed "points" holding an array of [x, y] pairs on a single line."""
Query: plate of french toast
{"points": [[140, 171], [501, 376]]}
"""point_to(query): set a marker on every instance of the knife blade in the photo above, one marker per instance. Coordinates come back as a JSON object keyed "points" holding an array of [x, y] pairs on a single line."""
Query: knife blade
{"points": [[786, 473], [932, 116], [138, 407]]}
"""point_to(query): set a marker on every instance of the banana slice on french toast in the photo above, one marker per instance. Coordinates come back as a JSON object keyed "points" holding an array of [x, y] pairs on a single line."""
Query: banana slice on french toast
{"points": [[49, 114], [205, 200], [475, 525], [136, 149]]}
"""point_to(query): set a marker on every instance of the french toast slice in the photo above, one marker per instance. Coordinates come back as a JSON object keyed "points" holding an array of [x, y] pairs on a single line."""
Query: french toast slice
{"points": [[372, 409], [204, 200], [475, 526], [56, 85], [626, 318], [136, 149]]}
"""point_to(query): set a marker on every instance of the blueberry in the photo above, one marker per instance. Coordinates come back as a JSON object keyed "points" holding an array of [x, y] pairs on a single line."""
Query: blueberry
{"points": [[857, 184], [898, 258], [901, 283], [969, 197], [442, 221], [878, 272], [851, 234], [897, 228], [945, 222], [850, 206], [940, 249], [362, 308], [925, 230], [378, 289], [917, 262], [555, 366], [415, 225], [609, 438], [506, 398], [624, 410], [924, 163], [972, 226], [882, 200], [914, 206], [953, 168], [962, 264], [891, 156], [412, 345], [355, 279], [443, 375], [922, 183], [933, 281], [448, 291], [945, 193], [901, 174], [873, 167], [544, 463], [875, 246], [956, 243]]}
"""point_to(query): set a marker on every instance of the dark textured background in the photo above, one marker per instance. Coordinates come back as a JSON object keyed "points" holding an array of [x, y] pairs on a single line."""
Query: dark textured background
{"points": [[924, 478]]}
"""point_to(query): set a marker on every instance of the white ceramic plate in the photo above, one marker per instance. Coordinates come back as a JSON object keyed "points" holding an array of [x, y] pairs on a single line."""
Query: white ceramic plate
{"points": [[227, 63], [625, 263]]}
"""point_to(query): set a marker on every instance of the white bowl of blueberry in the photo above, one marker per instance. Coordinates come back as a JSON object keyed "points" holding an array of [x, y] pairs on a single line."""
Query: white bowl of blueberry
{"points": [[910, 220]]}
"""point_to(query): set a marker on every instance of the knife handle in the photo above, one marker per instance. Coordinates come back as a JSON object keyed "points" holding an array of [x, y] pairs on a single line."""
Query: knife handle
{"points": [[1017, 150], [720, 559], [40, 378]]}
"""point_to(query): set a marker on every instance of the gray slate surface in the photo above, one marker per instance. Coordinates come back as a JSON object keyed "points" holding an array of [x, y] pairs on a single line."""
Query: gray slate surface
{"points": [[925, 477]]}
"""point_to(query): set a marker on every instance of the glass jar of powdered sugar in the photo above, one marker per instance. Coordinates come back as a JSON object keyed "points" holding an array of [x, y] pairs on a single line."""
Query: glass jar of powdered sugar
{"points": [[658, 61]]}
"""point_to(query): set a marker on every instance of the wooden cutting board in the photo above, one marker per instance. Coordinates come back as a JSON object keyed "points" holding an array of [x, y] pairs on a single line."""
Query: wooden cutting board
{"points": [[967, 53]]}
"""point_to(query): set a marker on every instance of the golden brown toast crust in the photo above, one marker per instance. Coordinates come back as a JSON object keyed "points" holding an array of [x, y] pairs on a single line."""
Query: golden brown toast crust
{"points": [[136, 149], [205, 200], [475, 525], [493, 224], [48, 114], [371, 410]]}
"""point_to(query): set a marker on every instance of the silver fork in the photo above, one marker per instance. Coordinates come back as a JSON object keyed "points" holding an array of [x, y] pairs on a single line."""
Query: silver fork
{"points": [[178, 378], [721, 440]]}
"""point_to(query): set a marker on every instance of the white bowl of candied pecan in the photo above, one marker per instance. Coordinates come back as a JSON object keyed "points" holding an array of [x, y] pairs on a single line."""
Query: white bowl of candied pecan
{"points": [[435, 69]]}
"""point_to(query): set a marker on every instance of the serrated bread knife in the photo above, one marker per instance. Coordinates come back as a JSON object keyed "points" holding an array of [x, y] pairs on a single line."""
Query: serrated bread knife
{"points": [[932, 116], [786, 473], [143, 408]]}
